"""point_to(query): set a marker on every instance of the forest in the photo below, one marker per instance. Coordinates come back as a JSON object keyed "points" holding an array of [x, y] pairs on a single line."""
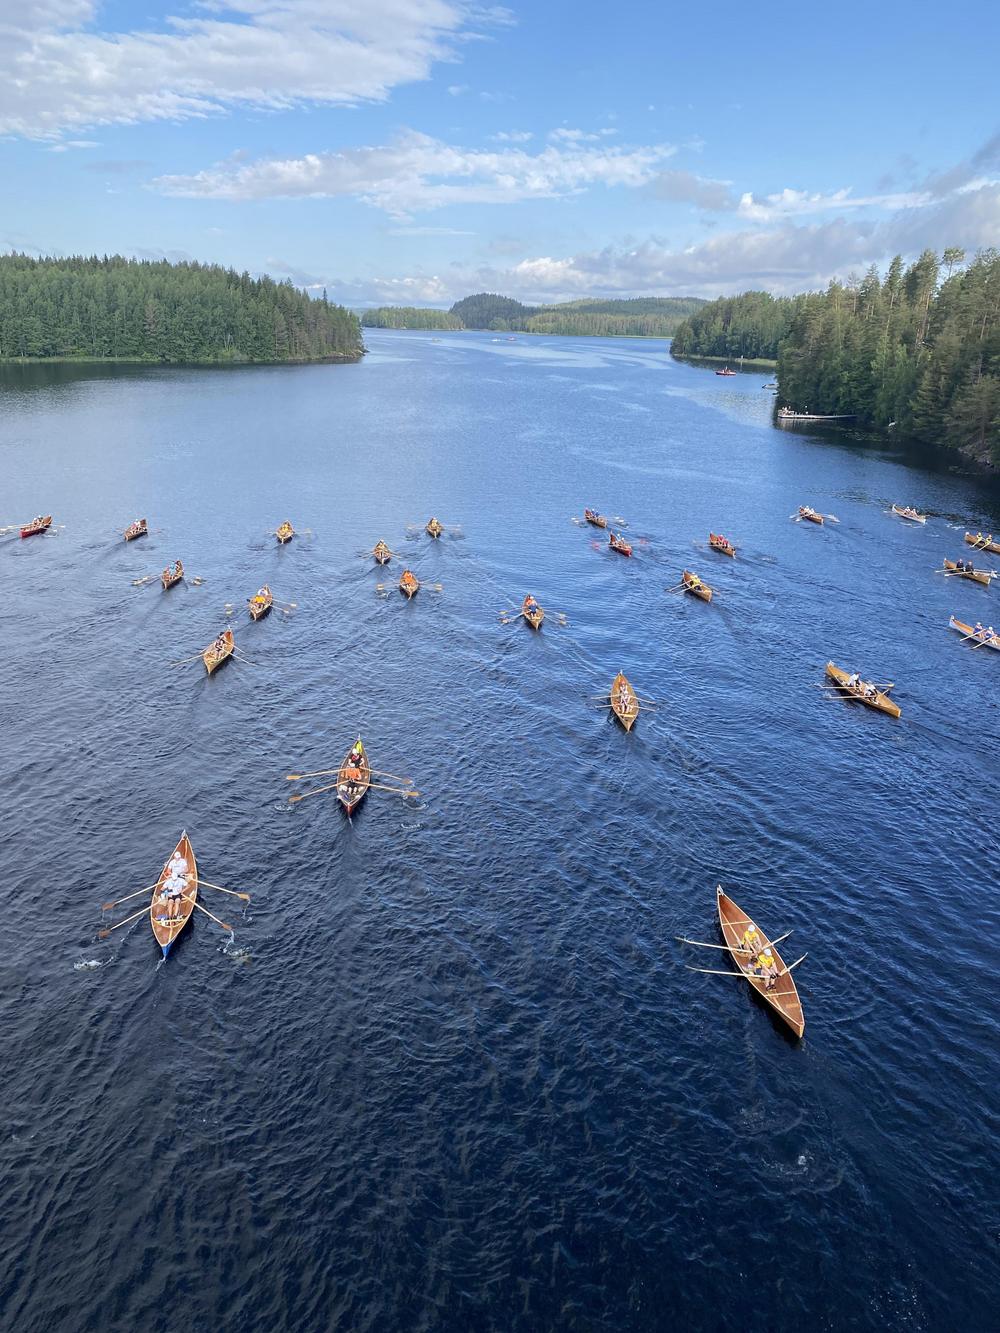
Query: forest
{"points": [[916, 351], [141, 310], [642, 317]]}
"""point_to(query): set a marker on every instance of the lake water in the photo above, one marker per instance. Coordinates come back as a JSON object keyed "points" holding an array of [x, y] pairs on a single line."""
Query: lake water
{"points": [[452, 1073]]}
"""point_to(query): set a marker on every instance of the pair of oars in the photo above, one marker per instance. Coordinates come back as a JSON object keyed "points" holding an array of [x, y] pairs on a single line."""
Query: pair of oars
{"points": [[103, 934]]}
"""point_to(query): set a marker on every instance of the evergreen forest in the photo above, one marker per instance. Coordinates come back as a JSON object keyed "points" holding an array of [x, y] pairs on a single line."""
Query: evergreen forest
{"points": [[409, 317], [643, 317], [140, 310]]}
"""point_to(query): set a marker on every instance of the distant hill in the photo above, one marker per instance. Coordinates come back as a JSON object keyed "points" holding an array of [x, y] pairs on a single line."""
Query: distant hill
{"points": [[638, 317]]}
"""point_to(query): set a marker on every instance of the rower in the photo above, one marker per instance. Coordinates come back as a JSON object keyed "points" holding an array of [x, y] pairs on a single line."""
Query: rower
{"points": [[767, 967], [177, 865], [750, 940]]}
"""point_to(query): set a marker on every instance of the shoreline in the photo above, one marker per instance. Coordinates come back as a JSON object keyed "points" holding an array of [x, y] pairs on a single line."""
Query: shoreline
{"points": [[749, 362], [338, 358]]}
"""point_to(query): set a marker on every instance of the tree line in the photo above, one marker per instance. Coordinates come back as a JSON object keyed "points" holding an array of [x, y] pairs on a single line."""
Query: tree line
{"points": [[141, 310], [916, 350], [642, 317]]}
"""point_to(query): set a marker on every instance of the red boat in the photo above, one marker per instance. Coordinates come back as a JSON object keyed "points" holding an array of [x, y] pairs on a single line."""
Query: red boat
{"points": [[619, 544], [37, 525], [727, 371]]}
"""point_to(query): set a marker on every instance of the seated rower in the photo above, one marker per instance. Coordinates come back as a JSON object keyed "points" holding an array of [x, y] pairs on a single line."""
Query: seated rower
{"points": [[767, 967], [750, 940], [177, 866]]}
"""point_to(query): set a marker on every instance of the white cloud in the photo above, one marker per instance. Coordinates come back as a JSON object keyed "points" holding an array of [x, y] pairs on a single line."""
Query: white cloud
{"points": [[798, 203], [59, 72], [64, 145], [417, 173], [512, 136], [564, 135]]}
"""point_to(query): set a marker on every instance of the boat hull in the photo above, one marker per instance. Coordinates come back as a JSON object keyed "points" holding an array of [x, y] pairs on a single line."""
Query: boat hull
{"points": [[166, 934], [981, 544], [723, 548], [696, 588], [973, 575], [212, 659], [168, 580], [351, 793], [258, 610], [880, 702], [626, 714], [139, 529], [783, 998], [910, 518], [36, 529], [969, 632]]}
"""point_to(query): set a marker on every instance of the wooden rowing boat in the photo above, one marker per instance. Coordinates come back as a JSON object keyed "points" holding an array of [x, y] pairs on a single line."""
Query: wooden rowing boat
{"points": [[619, 544], [721, 544], [975, 575], [693, 584], [260, 603], [726, 372], [408, 582], [434, 528], [167, 928], [970, 633], [172, 574], [381, 553], [624, 703], [532, 612], [598, 520], [910, 514], [137, 529], [37, 525], [982, 543], [216, 653], [783, 997], [285, 533], [877, 699], [353, 777], [805, 511]]}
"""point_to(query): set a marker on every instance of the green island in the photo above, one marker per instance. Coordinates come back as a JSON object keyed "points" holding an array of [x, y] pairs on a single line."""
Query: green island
{"points": [[640, 317], [915, 353], [131, 310]]}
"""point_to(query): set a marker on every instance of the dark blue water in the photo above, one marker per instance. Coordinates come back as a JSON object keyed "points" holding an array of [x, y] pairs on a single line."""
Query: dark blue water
{"points": [[451, 1072]]}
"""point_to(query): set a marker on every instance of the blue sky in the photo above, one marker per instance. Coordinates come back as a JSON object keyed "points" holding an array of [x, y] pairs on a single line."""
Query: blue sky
{"points": [[413, 151]]}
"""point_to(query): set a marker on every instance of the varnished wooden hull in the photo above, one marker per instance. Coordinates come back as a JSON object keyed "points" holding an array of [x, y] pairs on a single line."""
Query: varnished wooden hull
{"points": [[535, 617], [169, 579], [36, 529], [285, 533], [696, 589], [212, 659], [981, 544], [621, 547], [382, 554], [910, 518], [598, 520], [973, 575], [969, 632], [881, 702], [139, 529], [350, 795], [409, 584], [434, 528], [783, 998], [166, 933], [258, 610], [628, 714], [723, 548], [811, 518]]}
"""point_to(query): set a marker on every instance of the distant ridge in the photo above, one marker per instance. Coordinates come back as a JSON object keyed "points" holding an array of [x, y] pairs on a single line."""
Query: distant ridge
{"points": [[635, 317]]}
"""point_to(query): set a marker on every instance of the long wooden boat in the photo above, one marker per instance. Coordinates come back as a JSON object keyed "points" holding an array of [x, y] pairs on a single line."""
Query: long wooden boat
{"points": [[908, 513], [783, 997], [532, 612], [619, 544], [353, 777], [786, 414], [807, 512], [166, 928], [693, 584], [172, 574], [408, 582], [721, 544], [876, 699], [727, 371], [624, 703], [982, 543], [37, 525], [975, 575], [977, 637], [219, 651], [434, 527], [381, 553], [285, 533], [137, 529], [598, 520], [260, 603]]}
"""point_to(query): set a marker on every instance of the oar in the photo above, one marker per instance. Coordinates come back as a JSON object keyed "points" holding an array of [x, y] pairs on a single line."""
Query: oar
{"points": [[103, 934], [381, 773], [512, 616], [194, 903], [320, 773], [788, 969], [396, 791], [701, 945], [315, 792], [106, 907], [232, 892], [185, 660], [711, 972]]}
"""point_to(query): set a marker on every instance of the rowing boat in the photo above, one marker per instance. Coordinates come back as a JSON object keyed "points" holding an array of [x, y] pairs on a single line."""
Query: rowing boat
{"points": [[619, 544], [260, 603], [721, 544], [37, 525], [353, 777], [783, 997], [877, 699], [434, 527], [970, 633], [408, 582], [532, 612], [976, 575], [726, 372], [982, 543], [693, 584], [216, 653], [624, 703], [598, 520], [285, 533], [137, 529], [167, 928], [909, 513], [381, 553], [172, 574], [806, 512]]}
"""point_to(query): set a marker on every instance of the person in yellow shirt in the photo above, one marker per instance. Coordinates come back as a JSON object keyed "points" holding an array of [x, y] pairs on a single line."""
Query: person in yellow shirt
{"points": [[767, 966]]}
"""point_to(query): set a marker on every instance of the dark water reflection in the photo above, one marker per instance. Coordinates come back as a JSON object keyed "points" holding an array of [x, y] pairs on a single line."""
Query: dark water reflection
{"points": [[451, 1073]]}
